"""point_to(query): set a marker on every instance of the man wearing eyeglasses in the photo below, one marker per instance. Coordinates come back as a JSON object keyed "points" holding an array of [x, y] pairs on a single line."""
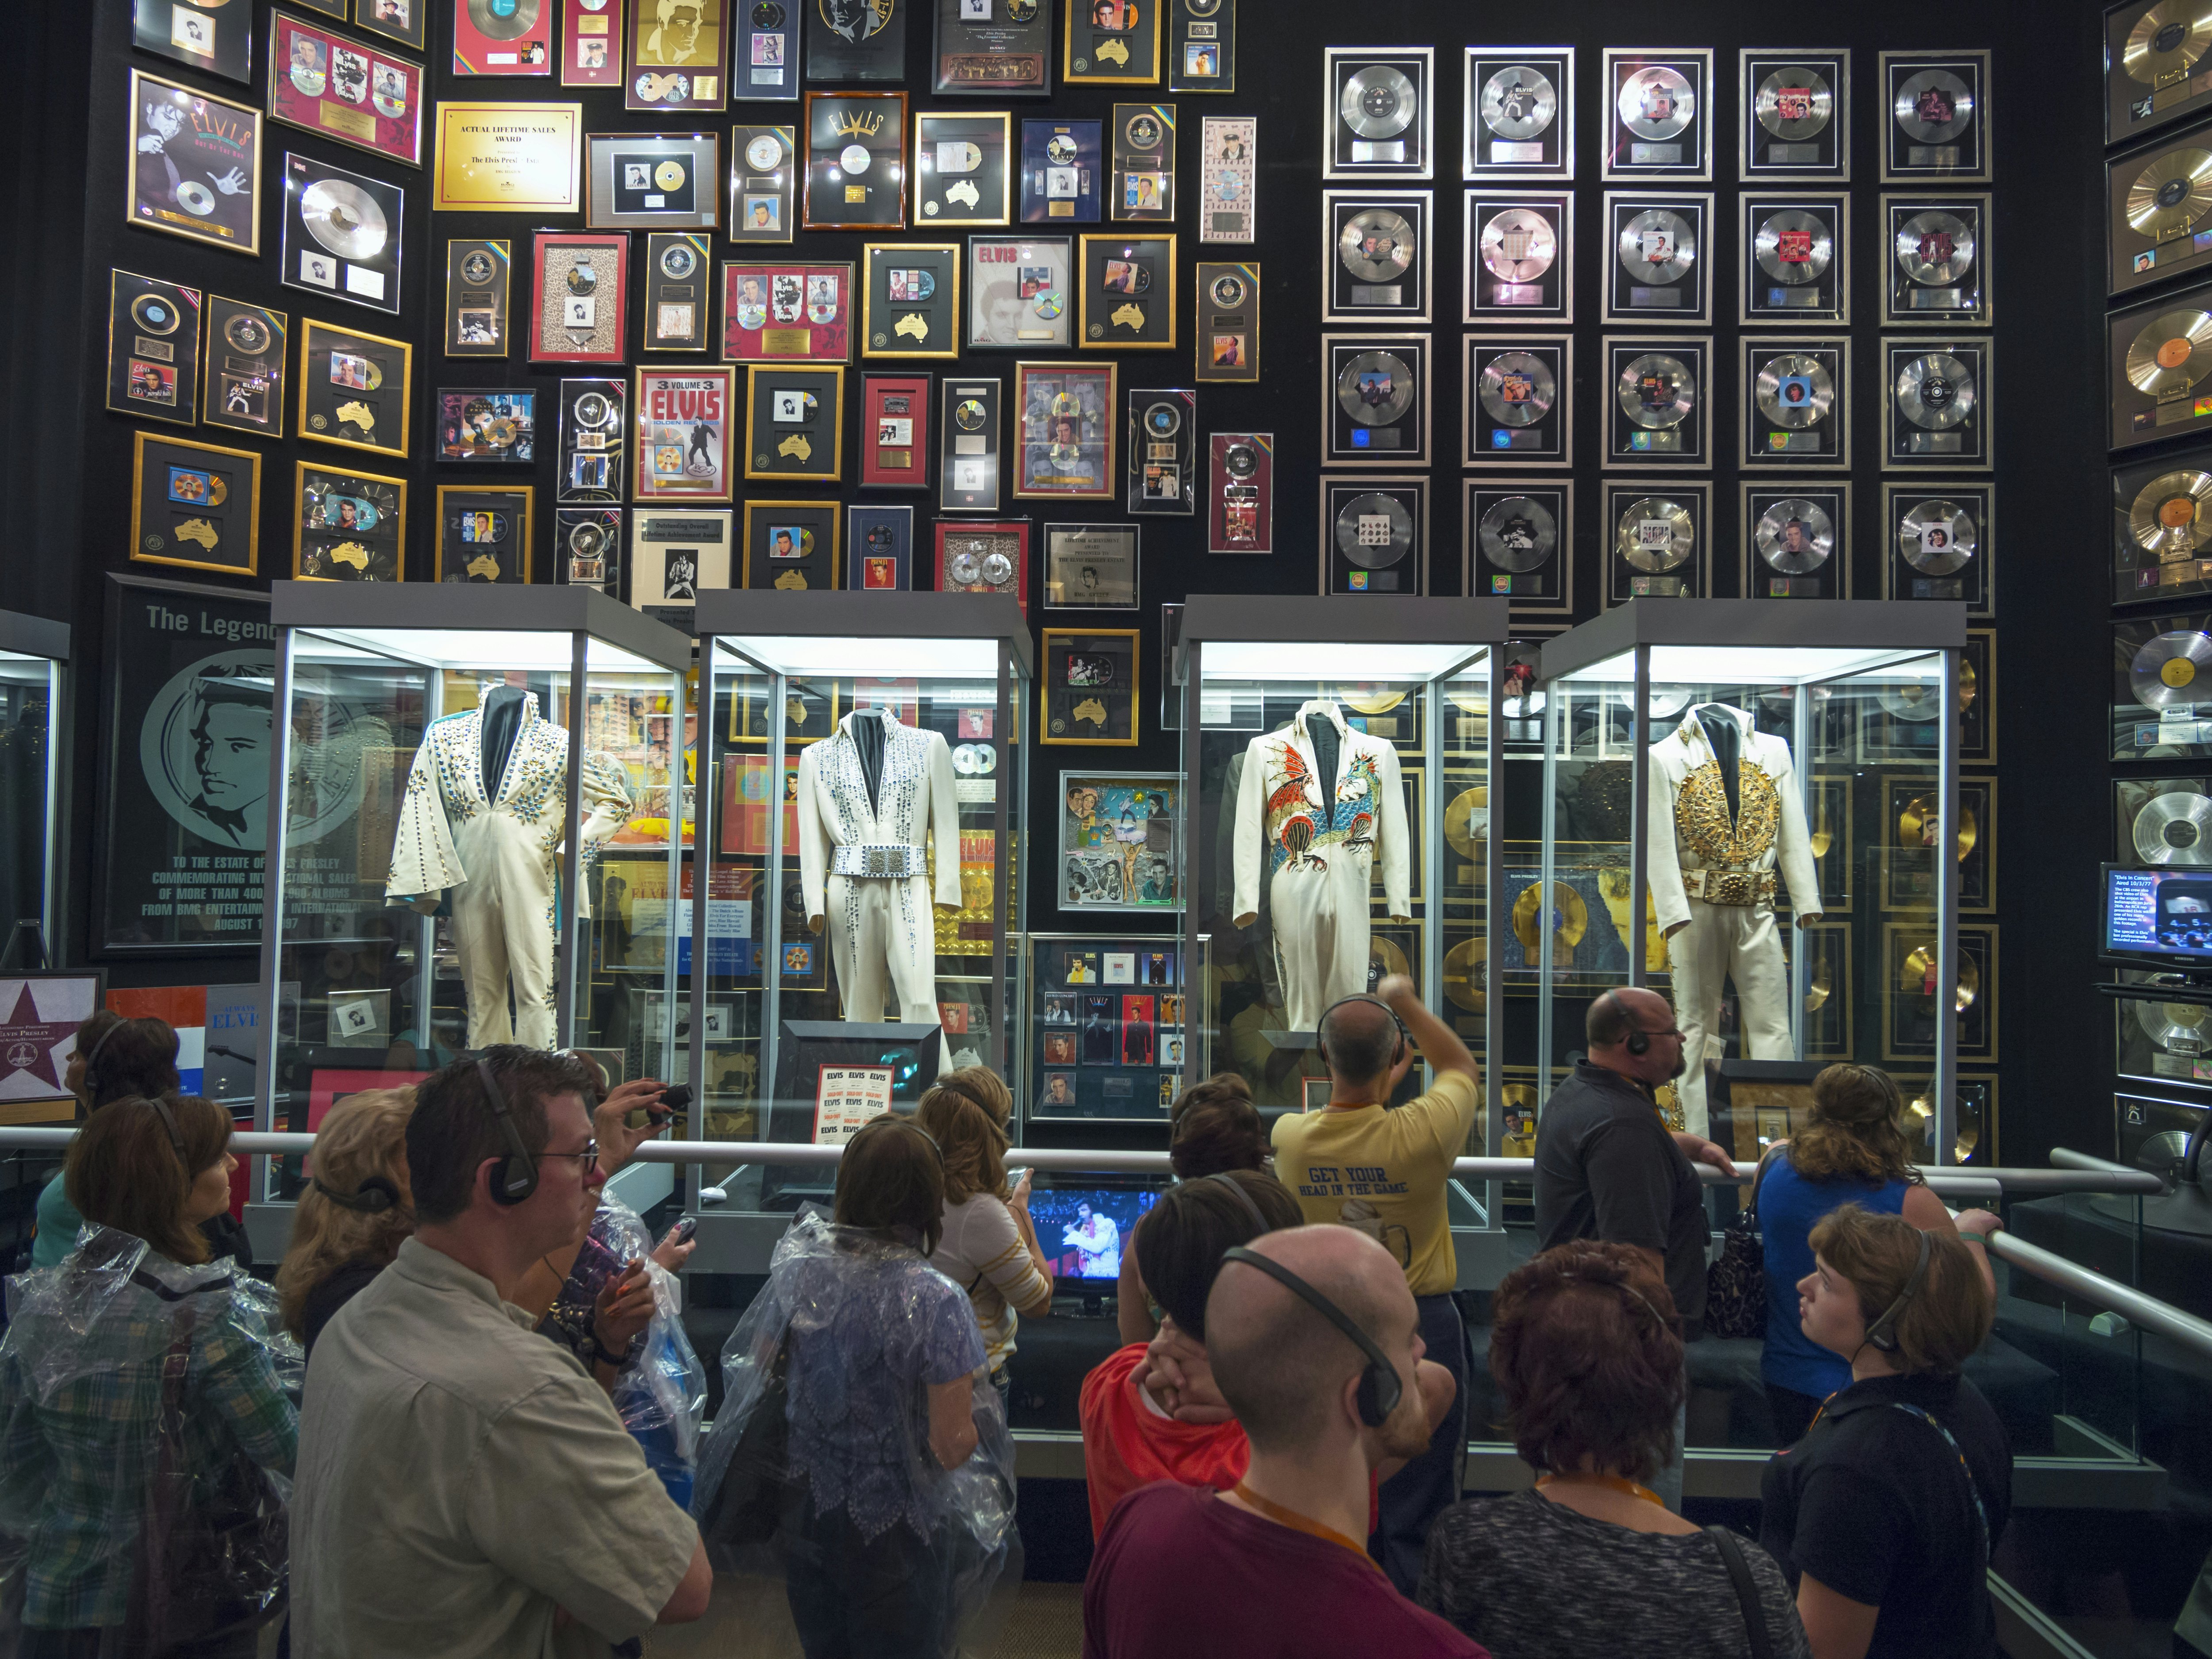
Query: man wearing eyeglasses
{"points": [[464, 1485]]}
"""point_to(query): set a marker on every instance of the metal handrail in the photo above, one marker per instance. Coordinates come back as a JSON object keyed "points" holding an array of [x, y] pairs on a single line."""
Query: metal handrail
{"points": [[2145, 1312]]}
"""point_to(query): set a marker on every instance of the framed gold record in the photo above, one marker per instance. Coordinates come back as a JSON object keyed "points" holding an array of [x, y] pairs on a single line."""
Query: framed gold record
{"points": [[1911, 1000], [1908, 875], [195, 505], [2156, 54], [2159, 368], [355, 389], [2158, 217]]}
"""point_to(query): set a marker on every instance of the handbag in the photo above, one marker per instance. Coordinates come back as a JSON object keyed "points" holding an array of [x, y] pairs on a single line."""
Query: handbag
{"points": [[1735, 1284], [1747, 1593], [748, 1506]]}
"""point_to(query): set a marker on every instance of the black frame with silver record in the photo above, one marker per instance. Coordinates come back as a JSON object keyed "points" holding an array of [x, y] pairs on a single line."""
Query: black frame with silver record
{"points": [[1522, 415], [151, 323], [2178, 837], [889, 326], [1784, 129], [1960, 437], [1510, 278], [246, 350], [1664, 143], [1918, 139], [679, 272], [1228, 306], [1812, 562], [1681, 565], [594, 441], [2151, 78], [1060, 335], [1518, 128], [587, 547], [1789, 421], [1363, 286], [778, 397], [1929, 280], [1379, 139], [2162, 528], [1956, 516], [1793, 264], [1399, 506], [2150, 720], [1640, 430], [1520, 543], [749, 184], [969, 473], [479, 276], [2157, 366], [1400, 428], [628, 177], [1118, 549], [341, 233], [2158, 211], [1672, 289], [1163, 435]]}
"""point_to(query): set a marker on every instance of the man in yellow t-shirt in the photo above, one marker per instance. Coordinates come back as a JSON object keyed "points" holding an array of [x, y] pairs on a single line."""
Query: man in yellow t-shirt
{"points": [[1395, 1162]]}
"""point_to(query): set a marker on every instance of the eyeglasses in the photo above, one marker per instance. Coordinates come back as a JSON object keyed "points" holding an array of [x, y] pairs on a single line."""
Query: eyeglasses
{"points": [[589, 1154]]}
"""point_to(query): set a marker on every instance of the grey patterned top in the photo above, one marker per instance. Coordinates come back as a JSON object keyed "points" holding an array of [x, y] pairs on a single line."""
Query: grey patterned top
{"points": [[1531, 1579]]}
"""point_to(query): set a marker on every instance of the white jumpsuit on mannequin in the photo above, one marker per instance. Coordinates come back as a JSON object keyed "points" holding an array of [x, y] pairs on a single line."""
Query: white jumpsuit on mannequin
{"points": [[1320, 859], [1712, 889], [883, 932], [500, 858]]}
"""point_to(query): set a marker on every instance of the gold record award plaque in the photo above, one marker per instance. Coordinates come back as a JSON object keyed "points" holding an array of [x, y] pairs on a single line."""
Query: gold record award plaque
{"points": [[509, 158]]}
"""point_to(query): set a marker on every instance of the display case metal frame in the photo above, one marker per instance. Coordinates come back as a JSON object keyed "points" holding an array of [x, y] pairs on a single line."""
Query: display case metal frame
{"points": [[31, 642]]}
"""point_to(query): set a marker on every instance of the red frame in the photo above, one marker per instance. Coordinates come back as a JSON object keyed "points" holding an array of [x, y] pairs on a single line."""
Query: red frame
{"points": [[615, 240], [642, 489], [1020, 527], [467, 39], [1216, 476], [399, 137], [920, 388], [573, 15], [744, 345]]}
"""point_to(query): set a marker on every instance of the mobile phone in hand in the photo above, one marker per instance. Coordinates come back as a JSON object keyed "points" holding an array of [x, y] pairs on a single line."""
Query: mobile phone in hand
{"points": [[681, 1233]]}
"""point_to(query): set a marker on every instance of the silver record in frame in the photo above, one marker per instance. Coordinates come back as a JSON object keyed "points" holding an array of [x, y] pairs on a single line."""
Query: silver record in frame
{"points": [[1519, 408], [1935, 403], [1658, 258], [1658, 392], [1518, 118], [1794, 398], [764, 173], [2162, 528], [1793, 261], [2157, 53], [1938, 539], [1378, 108], [1374, 398], [1379, 253], [1519, 543], [1657, 536], [1794, 114], [1517, 251], [1935, 117], [1794, 540], [1374, 536], [1936, 261], [1658, 115]]}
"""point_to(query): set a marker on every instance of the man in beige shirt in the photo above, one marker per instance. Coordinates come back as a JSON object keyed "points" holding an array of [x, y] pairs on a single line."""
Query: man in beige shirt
{"points": [[464, 1487]]}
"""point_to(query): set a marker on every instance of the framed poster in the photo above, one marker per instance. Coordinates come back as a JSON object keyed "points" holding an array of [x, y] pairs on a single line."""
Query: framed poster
{"points": [[1519, 255], [1795, 261], [675, 58], [764, 173], [678, 280], [1111, 42], [683, 438], [355, 389], [791, 544], [1228, 320], [1794, 114], [895, 432], [1796, 540], [1520, 543], [879, 540], [1016, 293], [509, 158], [1240, 509], [195, 165], [1938, 109], [784, 311], [496, 425], [984, 558], [1519, 117], [796, 422], [1374, 535], [855, 160], [580, 283], [342, 234], [347, 525], [1118, 840], [963, 169], [195, 505], [674, 553], [586, 544], [1659, 109], [967, 472], [910, 299], [653, 180], [1163, 453], [1092, 567], [359, 95], [243, 386], [593, 415], [197, 34], [1067, 412], [152, 346], [1127, 292], [992, 48], [1063, 171], [478, 274], [483, 534], [593, 31]]}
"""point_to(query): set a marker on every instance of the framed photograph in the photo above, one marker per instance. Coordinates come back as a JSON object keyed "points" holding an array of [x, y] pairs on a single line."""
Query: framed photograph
{"points": [[2155, 69], [491, 424], [342, 234], [1091, 567], [1229, 178], [991, 48], [787, 311], [1142, 186], [1202, 47], [791, 544], [1796, 260], [1519, 388], [764, 176], [1118, 848], [796, 422], [593, 34], [1090, 687], [984, 558], [963, 169], [1374, 535], [1519, 120], [477, 273], [195, 165], [1016, 293], [1660, 272], [1937, 539], [1379, 111], [677, 55], [1240, 492], [673, 555], [1795, 398], [1519, 255], [1374, 391], [1067, 413], [1796, 540], [594, 419], [492, 39], [358, 95], [1520, 543], [1111, 43], [1658, 536], [1794, 114], [509, 158], [910, 299], [586, 541], [152, 346], [581, 283], [195, 505], [1063, 171], [1937, 103], [1161, 473], [879, 548], [968, 463], [483, 534], [653, 180], [678, 284], [1659, 113], [355, 388], [683, 433], [243, 387], [348, 526], [1935, 402], [1129, 293], [894, 432], [1228, 321], [1375, 246], [200, 36], [855, 161], [857, 41], [1939, 264]]}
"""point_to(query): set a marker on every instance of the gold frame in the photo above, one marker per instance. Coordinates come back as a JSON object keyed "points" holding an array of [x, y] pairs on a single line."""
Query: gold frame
{"points": [[420, 72], [251, 246], [958, 256], [300, 471], [1010, 163], [189, 416], [443, 201], [207, 365], [1109, 488], [727, 373], [1069, 77], [1083, 340], [834, 509], [837, 371], [308, 325], [1044, 695], [1204, 271], [528, 494], [252, 456]]}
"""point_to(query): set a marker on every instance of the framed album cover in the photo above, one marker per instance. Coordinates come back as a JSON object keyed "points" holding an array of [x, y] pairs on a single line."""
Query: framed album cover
{"points": [[477, 278], [784, 310], [1938, 124], [1379, 111], [895, 432], [1229, 321], [857, 40], [1937, 538], [763, 166], [678, 279], [1796, 260], [1111, 42], [509, 158], [1163, 451], [587, 544], [1374, 535], [341, 235], [1228, 178], [348, 526], [1656, 534], [968, 461], [963, 169], [910, 299], [1520, 543], [676, 56], [1143, 185], [195, 505], [1091, 567], [1376, 248], [1518, 120], [673, 555], [1519, 388], [356, 94], [195, 165], [1660, 406], [201, 36], [1090, 687], [1240, 515], [855, 160], [1940, 251], [1067, 413], [2158, 211], [483, 534], [764, 60], [1375, 390], [796, 422], [581, 283], [1794, 113], [355, 389], [1796, 540], [879, 547], [593, 418], [246, 350], [1519, 255], [991, 48], [1659, 271], [502, 37], [1063, 171], [791, 544], [593, 32], [1659, 113], [152, 346], [1202, 46], [492, 425], [984, 558], [2162, 528], [1936, 397], [1795, 398], [683, 433], [1018, 290], [653, 180], [1129, 293], [2155, 68]]}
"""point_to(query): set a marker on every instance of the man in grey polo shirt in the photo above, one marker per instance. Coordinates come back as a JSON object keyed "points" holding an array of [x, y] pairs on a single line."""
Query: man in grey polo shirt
{"points": [[463, 1488]]}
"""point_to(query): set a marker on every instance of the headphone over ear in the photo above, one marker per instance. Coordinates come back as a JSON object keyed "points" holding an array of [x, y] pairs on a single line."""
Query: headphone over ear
{"points": [[1320, 1042], [1638, 1040], [377, 1194], [514, 1177], [1882, 1332], [92, 1060], [169, 1122], [1380, 1388], [1242, 1197]]}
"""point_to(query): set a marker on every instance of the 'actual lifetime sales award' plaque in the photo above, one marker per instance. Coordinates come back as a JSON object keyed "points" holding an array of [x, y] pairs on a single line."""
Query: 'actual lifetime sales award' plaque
{"points": [[509, 158]]}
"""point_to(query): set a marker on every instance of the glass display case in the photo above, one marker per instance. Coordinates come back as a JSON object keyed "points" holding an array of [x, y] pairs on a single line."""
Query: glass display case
{"points": [[33, 654], [1340, 758], [481, 798], [864, 865], [1796, 913]]}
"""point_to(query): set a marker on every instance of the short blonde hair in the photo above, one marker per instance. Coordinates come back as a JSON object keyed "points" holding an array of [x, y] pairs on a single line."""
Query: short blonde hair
{"points": [[365, 1135], [1949, 1317]]}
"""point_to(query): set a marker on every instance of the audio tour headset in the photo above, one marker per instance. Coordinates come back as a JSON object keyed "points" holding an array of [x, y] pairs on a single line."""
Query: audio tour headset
{"points": [[377, 1194], [1638, 1040], [514, 1177], [1883, 1334], [1380, 1385]]}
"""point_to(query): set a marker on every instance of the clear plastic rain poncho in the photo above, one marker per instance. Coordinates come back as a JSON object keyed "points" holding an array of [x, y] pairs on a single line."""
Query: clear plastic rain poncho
{"points": [[661, 1394], [815, 1413], [143, 1404]]}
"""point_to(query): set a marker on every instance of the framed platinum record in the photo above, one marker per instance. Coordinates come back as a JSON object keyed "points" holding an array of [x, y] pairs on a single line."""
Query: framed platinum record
{"points": [[1659, 407], [1795, 402], [1376, 387], [1936, 399], [1795, 260], [1657, 534], [1659, 113], [1796, 540], [1378, 255], [1660, 268], [1518, 391], [1374, 535], [1938, 263], [586, 547], [1519, 121], [1937, 116], [1937, 538], [1794, 117], [1520, 543], [1379, 111], [1519, 255], [2162, 528]]}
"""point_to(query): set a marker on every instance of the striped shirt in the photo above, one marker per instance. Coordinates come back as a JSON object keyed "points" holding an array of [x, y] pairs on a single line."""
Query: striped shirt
{"points": [[983, 1252]]}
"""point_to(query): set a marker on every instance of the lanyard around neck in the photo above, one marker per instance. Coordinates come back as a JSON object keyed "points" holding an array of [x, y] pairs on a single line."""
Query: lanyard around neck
{"points": [[1305, 1523], [1617, 1483]]}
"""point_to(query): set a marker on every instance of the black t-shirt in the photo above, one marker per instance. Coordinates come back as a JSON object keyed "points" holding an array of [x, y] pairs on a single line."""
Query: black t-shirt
{"points": [[1607, 1168], [1873, 1504], [343, 1284]]}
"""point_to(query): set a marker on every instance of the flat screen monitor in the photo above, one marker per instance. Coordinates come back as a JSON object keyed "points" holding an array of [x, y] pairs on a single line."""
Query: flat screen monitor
{"points": [[1086, 1229], [2161, 918]]}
